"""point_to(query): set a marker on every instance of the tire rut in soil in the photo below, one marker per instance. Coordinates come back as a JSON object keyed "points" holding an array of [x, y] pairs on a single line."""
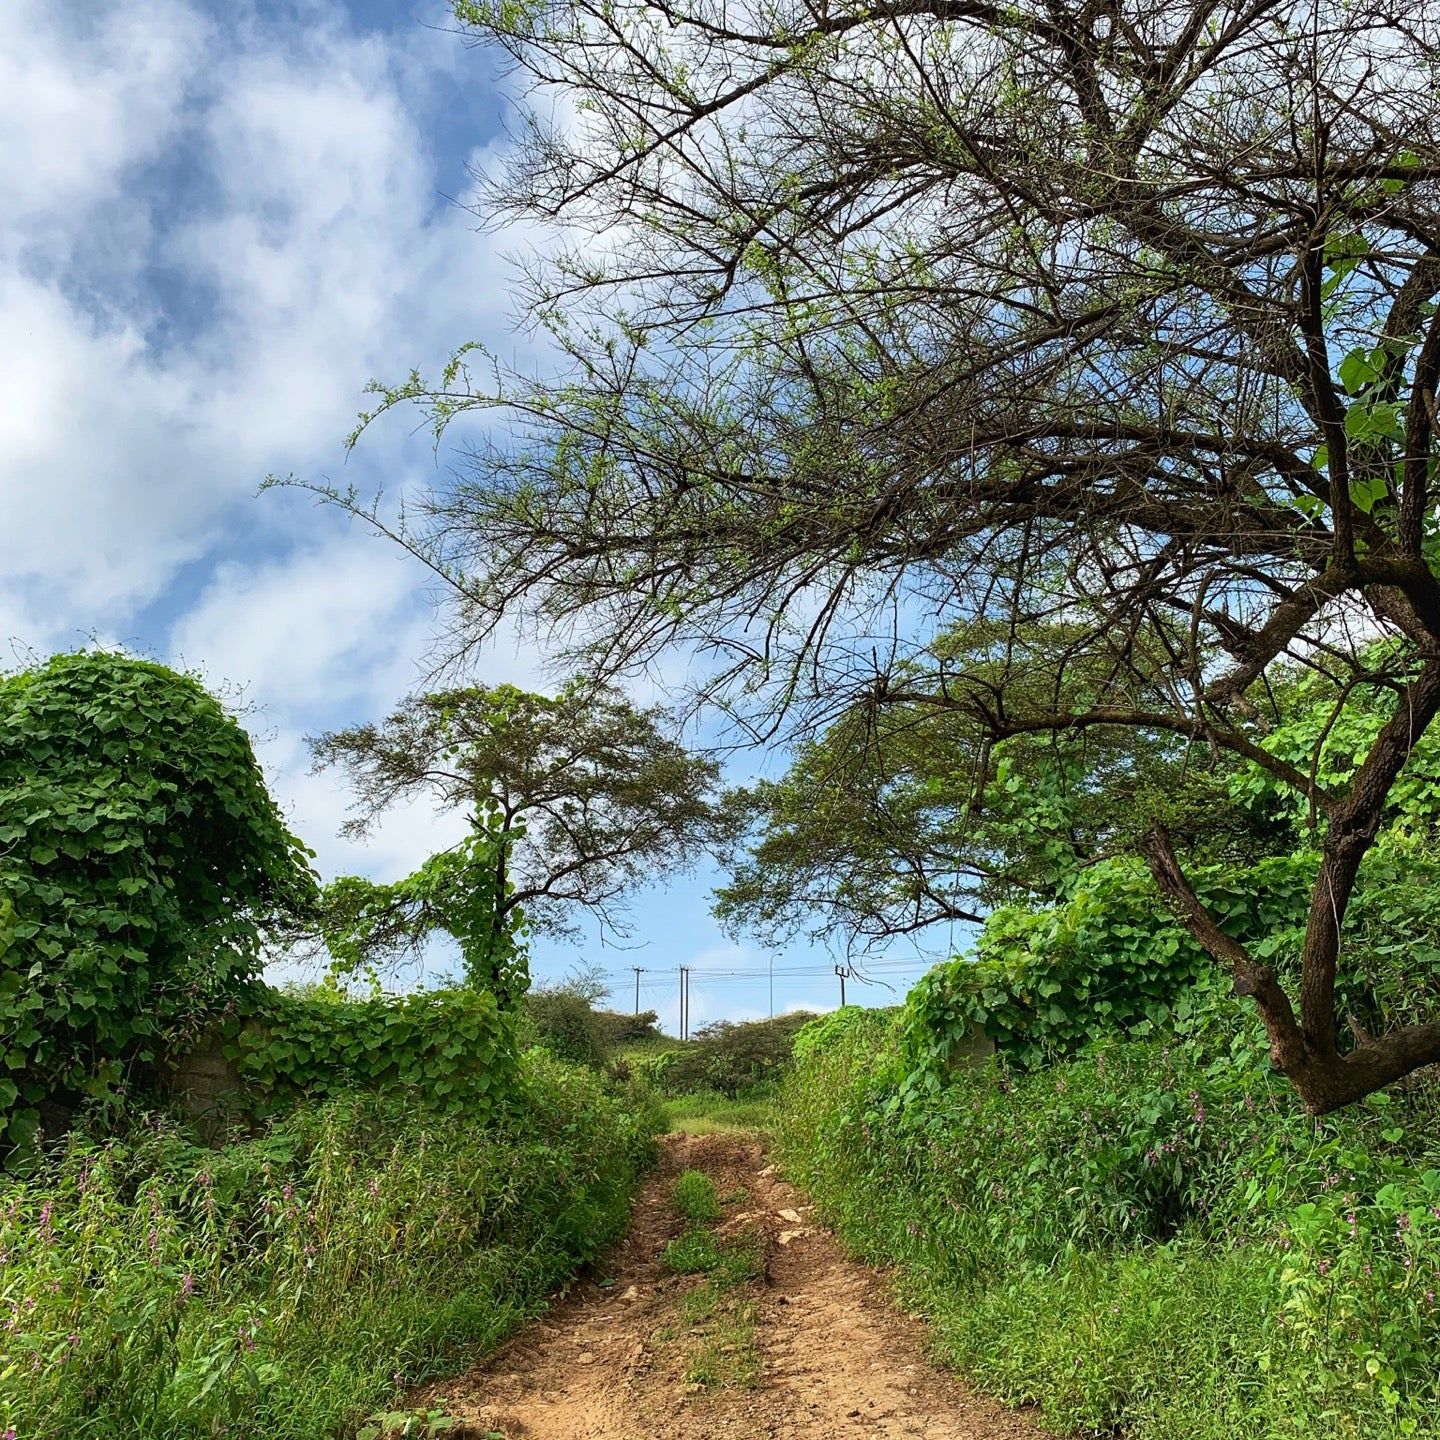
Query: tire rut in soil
{"points": [[837, 1359]]}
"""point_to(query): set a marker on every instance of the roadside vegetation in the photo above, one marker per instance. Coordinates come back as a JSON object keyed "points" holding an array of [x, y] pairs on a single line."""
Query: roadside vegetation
{"points": [[293, 1284], [391, 1182], [1025, 416], [1146, 1238]]}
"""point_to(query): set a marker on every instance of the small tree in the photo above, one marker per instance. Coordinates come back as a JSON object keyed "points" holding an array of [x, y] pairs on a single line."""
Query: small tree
{"points": [[142, 866], [573, 800]]}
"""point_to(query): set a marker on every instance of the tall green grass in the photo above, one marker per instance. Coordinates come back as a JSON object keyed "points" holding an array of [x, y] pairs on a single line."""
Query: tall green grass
{"points": [[1144, 1240], [707, 1112], [288, 1286]]}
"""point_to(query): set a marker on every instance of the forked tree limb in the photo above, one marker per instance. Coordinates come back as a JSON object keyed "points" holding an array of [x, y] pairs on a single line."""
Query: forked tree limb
{"points": [[1324, 1079]]}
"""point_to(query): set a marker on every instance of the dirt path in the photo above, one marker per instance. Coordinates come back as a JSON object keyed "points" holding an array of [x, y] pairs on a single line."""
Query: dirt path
{"points": [[810, 1349]]}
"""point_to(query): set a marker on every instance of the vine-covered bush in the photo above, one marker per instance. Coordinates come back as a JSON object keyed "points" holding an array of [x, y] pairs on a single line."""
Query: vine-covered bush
{"points": [[1044, 983], [620, 1027], [142, 865], [567, 1025], [1105, 957], [453, 1050], [1109, 960]]}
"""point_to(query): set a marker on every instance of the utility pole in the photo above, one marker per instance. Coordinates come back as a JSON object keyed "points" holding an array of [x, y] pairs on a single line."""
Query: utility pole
{"points": [[842, 971], [684, 1002], [639, 971], [772, 986]]}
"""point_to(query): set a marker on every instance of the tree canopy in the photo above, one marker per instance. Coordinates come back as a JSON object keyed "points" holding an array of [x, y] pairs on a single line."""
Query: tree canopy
{"points": [[573, 799], [882, 318], [902, 817]]}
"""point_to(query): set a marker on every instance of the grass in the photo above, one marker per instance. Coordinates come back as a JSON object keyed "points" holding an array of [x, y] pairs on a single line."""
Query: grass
{"points": [[1143, 1240], [696, 1199], [726, 1354], [294, 1284], [710, 1113], [701, 1252], [717, 1316]]}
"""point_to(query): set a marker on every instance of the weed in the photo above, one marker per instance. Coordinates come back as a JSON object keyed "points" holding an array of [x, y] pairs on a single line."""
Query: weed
{"points": [[294, 1284], [1146, 1239], [726, 1355], [696, 1252], [695, 1196], [400, 1424]]}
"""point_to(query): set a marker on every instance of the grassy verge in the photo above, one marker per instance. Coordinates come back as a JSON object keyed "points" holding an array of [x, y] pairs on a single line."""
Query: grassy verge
{"points": [[709, 1113], [290, 1286], [1143, 1240], [717, 1315]]}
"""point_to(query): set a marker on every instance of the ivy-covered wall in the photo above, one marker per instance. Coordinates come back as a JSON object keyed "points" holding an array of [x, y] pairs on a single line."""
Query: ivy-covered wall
{"points": [[453, 1051]]}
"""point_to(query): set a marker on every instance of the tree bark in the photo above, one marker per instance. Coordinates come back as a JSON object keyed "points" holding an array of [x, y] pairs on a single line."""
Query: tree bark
{"points": [[1324, 1079]]}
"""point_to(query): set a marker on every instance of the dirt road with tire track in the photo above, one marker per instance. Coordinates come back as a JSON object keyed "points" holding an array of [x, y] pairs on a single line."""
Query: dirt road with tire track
{"points": [[810, 1347]]}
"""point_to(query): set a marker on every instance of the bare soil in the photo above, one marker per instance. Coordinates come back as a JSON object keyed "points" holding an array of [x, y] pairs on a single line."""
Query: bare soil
{"points": [[837, 1358]]}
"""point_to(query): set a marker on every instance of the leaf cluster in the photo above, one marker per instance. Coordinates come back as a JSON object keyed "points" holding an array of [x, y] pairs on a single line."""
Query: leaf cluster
{"points": [[462, 892], [452, 1051]]}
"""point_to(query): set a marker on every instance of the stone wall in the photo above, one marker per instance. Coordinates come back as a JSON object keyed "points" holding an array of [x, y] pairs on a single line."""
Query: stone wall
{"points": [[974, 1050], [206, 1086]]}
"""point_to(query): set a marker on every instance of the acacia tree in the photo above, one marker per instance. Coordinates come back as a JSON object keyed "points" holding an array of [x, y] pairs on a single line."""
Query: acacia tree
{"points": [[903, 817], [884, 316], [573, 800]]}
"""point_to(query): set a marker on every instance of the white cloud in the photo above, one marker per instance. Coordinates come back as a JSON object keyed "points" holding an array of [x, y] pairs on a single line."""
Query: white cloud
{"points": [[83, 99], [332, 626], [330, 634], [211, 241], [99, 465]]}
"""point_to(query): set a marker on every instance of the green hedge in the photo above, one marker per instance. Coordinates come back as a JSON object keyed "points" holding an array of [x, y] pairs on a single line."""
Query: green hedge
{"points": [[454, 1050], [290, 1285], [1144, 1238]]}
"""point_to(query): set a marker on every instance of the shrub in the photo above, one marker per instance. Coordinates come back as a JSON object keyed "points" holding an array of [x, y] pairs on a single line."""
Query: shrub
{"points": [[728, 1056], [145, 864], [621, 1028], [567, 1025], [1147, 1238], [289, 1285], [453, 1050]]}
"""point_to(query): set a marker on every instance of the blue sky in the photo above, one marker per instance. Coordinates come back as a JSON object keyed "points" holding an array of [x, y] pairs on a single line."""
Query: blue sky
{"points": [[220, 222]]}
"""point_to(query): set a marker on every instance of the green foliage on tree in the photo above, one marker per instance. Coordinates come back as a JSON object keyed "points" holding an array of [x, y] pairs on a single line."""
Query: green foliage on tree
{"points": [[461, 892], [1099, 958], [1122, 316], [572, 800], [902, 816], [143, 866]]}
